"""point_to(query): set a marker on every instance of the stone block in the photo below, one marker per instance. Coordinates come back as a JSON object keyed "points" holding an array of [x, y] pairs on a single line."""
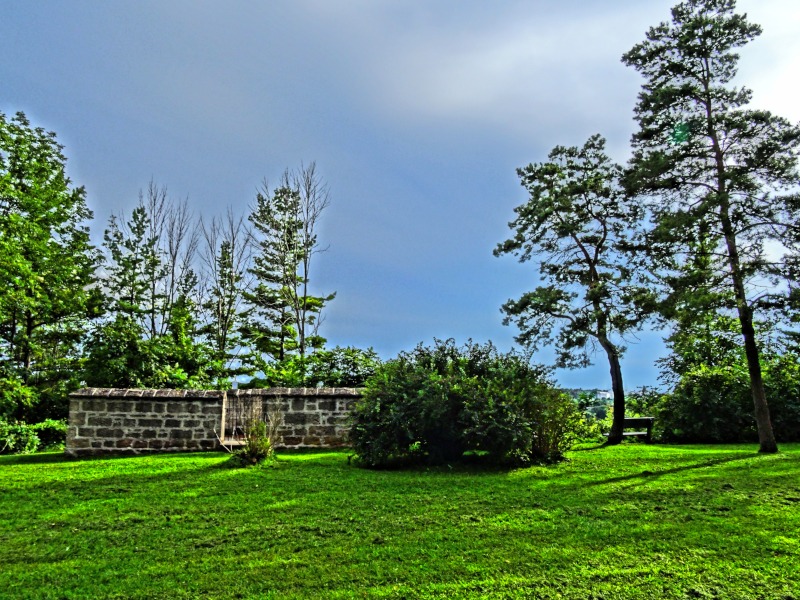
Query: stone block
{"points": [[322, 430], [95, 405], [150, 422], [79, 443], [298, 404], [180, 434], [77, 419], [124, 443], [190, 423], [327, 405], [149, 434], [175, 407], [172, 423], [143, 407], [87, 432], [296, 418], [140, 444], [159, 407], [105, 432]]}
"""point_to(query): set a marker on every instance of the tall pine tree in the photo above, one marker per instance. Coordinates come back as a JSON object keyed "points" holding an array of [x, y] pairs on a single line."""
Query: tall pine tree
{"points": [[711, 165]]}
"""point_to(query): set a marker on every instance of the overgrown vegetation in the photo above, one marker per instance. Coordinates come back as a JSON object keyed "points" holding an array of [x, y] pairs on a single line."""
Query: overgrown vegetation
{"points": [[435, 404], [628, 522], [17, 437]]}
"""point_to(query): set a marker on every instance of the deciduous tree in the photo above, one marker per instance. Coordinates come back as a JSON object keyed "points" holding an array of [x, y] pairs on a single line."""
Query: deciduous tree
{"points": [[226, 258], [47, 264]]}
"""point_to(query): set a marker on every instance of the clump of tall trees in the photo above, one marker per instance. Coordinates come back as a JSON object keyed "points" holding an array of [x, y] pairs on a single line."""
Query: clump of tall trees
{"points": [[168, 300], [700, 227]]}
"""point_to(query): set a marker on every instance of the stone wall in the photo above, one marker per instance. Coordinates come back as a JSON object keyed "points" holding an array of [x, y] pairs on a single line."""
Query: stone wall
{"points": [[311, 417], [104, 421]]}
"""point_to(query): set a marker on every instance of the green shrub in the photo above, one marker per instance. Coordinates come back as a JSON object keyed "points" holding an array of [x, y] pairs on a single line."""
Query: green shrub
{"points": [[17, 438], [714, 404], [15, 397], [52, 434], [435, 404], [782, 380]]}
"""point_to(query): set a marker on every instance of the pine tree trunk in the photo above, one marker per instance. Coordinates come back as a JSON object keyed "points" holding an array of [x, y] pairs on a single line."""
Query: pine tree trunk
{"points": [[766, 436], [618, 391]]}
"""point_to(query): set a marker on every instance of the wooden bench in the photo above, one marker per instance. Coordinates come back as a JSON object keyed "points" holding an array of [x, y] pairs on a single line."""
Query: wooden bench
{"points": [[638, 422]]}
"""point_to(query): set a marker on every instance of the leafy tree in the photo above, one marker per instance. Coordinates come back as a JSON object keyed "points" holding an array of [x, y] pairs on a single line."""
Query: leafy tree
{"points": [[150, 335], [576, 223], [285, 222], [150, 260], [226, 257], [47, 267], [713, 168], [336, 367], [119, 353]]}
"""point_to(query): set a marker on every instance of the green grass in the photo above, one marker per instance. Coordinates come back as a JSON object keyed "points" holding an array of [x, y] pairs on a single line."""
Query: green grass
{"points": [[632, 521]]}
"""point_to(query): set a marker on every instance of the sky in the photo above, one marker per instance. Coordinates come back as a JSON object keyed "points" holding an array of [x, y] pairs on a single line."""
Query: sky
{"points": [[417, 114]]}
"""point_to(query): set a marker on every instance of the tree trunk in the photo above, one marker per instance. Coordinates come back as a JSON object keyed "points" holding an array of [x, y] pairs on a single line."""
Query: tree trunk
{"points": [[766, 436], [617, 389]]}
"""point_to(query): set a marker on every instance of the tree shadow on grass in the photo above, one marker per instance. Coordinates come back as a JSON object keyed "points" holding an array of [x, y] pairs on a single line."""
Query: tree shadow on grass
{"points": [[650, 474]]}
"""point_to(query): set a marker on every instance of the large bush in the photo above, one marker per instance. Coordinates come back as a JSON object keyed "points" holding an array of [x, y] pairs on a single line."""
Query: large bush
{"points": [[714, 403], [437, 403]]}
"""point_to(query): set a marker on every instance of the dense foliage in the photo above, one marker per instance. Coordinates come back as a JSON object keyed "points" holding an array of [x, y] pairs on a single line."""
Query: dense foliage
{"points": [[334, 367], [436, 403], [47, 267], [20, 438], [711, 403]]}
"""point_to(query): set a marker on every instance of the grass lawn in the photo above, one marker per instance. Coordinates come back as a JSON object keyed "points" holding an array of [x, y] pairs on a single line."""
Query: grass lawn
{"points": [[633, 521]]}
